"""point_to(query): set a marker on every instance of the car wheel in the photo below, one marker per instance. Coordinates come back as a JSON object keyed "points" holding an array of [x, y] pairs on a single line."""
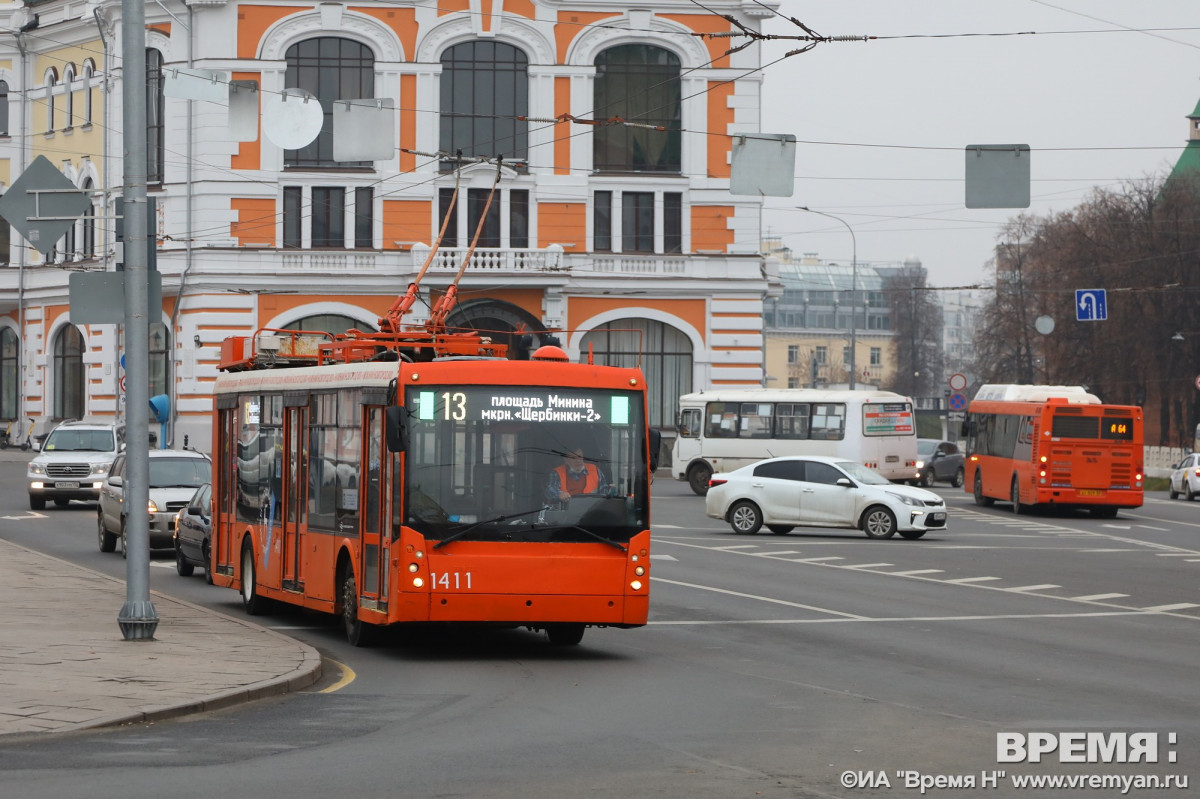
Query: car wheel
{"points": [[1173, 493], [957, 482], [780, 529], [745, 518], [1015, 495], [208, 564], [254, 604], [567, 634], [698, 477], [124, 541], [878, 522], [1189, 494], [926, 478], [37, 503], [980, 499], [107, 540], [182, 565], [912, 535], [358, 632]]}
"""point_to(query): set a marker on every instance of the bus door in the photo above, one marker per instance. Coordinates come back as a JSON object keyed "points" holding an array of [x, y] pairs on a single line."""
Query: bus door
{"points": [[225, 498], [373, 552], [294, 501]]}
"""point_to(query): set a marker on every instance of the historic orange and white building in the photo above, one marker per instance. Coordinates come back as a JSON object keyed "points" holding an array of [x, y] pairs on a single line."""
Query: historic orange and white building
{"points": [[617, 237]]}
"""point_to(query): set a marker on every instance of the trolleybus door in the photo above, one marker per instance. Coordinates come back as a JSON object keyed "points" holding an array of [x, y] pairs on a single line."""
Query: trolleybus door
{"points": [[373, 566], [225, 499], [293, 495]]}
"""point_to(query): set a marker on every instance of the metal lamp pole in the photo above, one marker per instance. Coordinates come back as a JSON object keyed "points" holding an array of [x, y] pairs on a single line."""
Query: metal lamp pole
{"points": [[853, 292]]}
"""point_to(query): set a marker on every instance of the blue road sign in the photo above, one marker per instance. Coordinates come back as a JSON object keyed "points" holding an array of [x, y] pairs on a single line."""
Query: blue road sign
{"points": [[1090, 305], [958, 402]]}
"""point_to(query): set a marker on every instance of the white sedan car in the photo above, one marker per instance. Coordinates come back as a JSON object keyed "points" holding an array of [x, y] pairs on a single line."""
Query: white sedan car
{"points": [[1186, 478], [815, 491]]}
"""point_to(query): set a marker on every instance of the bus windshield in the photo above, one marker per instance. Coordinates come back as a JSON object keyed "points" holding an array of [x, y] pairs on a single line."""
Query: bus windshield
{"points": [[491, 463]]}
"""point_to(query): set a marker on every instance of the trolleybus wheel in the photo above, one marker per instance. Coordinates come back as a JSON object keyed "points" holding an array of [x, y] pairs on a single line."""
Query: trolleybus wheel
{"points": [[980, 499], [878, 522], [254, 604], [698, 477], [567, 634], [358, 632]]}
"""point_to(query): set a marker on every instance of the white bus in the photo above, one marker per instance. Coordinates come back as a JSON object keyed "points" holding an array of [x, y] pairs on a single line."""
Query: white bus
{"points": [[724, 429]]}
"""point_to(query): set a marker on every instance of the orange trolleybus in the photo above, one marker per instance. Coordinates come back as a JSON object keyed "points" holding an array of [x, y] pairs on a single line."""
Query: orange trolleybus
{"points": [[1053, 445], [405, 476]]}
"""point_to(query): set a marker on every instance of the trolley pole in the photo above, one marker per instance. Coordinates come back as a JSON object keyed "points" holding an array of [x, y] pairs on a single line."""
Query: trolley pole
{"points": [[138, 619]]}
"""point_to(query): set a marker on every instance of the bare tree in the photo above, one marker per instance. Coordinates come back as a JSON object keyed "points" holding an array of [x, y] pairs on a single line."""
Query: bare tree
{"points": [[917, 324]]}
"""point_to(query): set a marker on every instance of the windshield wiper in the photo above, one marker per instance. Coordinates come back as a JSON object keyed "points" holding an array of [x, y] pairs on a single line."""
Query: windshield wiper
{"points": [[471, 527], [596, 536]]}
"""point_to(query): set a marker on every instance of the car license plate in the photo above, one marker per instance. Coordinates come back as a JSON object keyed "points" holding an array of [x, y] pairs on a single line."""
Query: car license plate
{"points": [[937, 517], [67, 484], [1089, 492]]}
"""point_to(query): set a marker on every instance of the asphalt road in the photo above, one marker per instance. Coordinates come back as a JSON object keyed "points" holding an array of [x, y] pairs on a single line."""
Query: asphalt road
{"points": [[773, 666]]}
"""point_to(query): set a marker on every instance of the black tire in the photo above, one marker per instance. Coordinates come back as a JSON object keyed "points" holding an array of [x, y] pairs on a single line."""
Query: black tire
{"points": [[358, 632], [745, 518], [780, 529], [1174, 494], [878, 522], [254, 604], [565, 634], [37, 503], [124, 541], [1188, 494], [980, 499], [698, 477], [912, 535], [1015, 497], [208, 564], [926, 478], [106, 540], [958, 480], [183, 566]]}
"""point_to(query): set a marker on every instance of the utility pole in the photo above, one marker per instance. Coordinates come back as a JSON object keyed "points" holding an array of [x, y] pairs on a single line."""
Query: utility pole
{"points": [[138, 619]]}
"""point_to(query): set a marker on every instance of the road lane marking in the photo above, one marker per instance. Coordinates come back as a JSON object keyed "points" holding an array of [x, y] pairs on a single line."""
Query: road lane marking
{"points": [[1033, 587], [762, 599], [816, 560], [962, 580], [1097, 597], [869, 565], [347, 677], [915, 572], [735, 546], [663, 557], [1164, 608], [905, 619]]}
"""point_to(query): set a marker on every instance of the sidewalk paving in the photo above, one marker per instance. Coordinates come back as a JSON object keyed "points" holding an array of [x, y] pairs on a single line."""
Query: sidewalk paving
{"points": [[65, 666]]}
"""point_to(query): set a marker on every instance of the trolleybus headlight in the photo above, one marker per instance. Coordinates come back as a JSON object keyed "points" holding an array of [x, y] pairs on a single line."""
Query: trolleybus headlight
{"points": [[639, 571], [412, 567], [418, 582], [636, 585]]}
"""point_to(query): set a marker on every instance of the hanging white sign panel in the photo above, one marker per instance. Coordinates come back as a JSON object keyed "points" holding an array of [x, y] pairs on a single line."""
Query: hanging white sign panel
{"points": [[763, 165], [291, 119], [364, 130], [243, 110], [195, 84]]}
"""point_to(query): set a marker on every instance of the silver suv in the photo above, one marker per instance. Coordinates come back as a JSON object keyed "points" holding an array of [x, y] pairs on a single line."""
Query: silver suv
{"points": [[175, 474], [74, 460]]}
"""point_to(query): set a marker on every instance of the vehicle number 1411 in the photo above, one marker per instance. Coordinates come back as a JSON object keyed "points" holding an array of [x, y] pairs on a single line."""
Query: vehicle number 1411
{"points": [[449, 580]]}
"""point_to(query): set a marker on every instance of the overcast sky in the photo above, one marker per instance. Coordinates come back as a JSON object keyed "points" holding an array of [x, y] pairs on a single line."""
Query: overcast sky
{"points": [[1083, 82]]}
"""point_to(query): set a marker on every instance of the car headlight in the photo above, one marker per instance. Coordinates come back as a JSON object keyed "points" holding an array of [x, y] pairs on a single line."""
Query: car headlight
{"points": [[920, 464], [151, 507], [907, 500], [37, 468], [99, 468]]}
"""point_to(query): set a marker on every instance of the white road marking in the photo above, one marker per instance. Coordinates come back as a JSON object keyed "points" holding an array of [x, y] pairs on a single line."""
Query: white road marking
{"points": [[1164, 608], [906, 619], [815, 560], [1042, 587], [869, 565], [961, 580], [663, 557], [918, 571], [734, 546], [1097, 597], [761, 598]]}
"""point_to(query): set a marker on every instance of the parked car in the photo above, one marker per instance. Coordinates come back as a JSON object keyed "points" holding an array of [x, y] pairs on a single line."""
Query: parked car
{"points": [[193, 533], [73, 462], [816, 491], [939, 462], [1186, 478], [174, 477]]}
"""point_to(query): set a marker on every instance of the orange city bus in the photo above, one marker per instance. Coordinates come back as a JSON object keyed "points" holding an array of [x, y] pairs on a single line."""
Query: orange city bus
{"points": [[397, 478], [1053, 445]]}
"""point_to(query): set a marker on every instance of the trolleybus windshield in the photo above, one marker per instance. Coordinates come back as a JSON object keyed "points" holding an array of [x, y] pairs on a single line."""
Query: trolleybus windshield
{"points": [[479, 461]]}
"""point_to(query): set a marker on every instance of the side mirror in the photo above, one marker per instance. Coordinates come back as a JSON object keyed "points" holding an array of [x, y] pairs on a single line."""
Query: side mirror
{"points": [[116, 480], [655, 446], [396, 430], [845, 482]]}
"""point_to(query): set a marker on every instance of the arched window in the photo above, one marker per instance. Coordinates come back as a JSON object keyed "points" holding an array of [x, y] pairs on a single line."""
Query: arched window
{"points": [[89, 72], [155, 123], [666, 359], [3, 108], [68, 402], [9, 376], [88, 248], [159, 358], [69, 97], [51, 80], [639, 83], [331, 69], [484, 87], [329, 323]]}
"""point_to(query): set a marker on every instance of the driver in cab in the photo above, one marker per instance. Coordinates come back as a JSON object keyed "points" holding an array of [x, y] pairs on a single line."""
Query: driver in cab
{"points": [[575, 477]]}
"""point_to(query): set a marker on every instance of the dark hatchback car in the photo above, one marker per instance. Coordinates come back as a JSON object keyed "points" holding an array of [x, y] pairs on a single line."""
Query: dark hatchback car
{"points": [[193, 534], [939, 462]]}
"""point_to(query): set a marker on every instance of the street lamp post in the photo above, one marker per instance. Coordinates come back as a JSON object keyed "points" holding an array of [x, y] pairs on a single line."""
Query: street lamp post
{"points": [[853, 290]]}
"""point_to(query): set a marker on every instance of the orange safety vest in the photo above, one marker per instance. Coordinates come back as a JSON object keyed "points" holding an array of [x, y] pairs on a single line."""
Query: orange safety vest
{"points": [[588, 483]]}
